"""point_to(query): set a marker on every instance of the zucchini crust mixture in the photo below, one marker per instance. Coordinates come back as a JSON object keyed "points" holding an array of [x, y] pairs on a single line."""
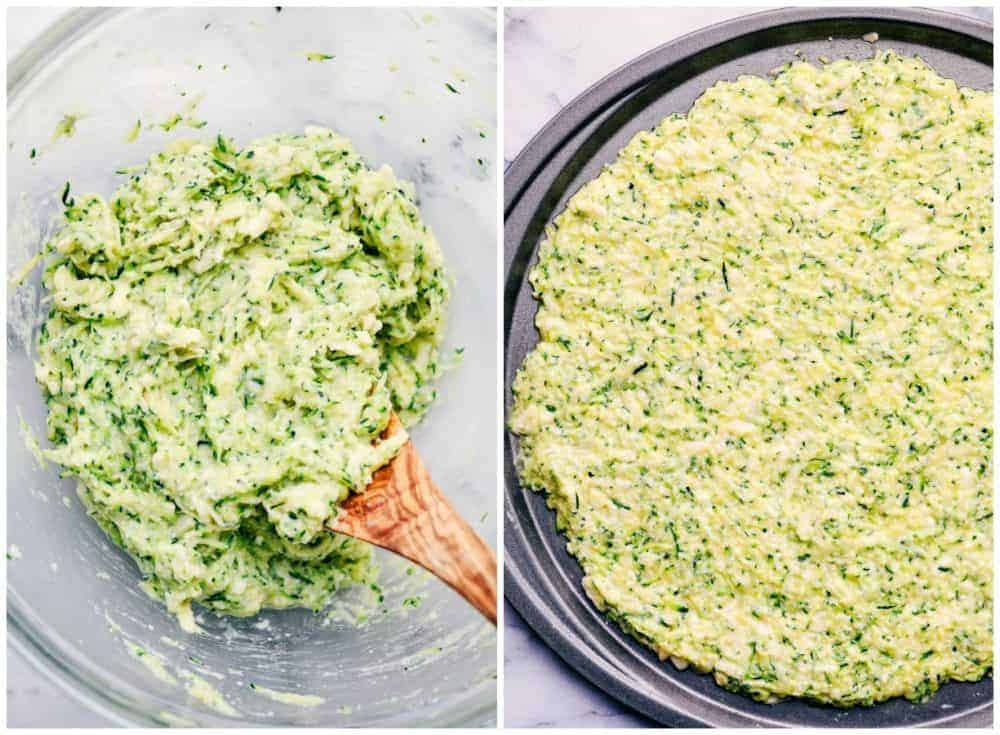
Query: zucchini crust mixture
{"points": [[760, 404], [227, 339]]}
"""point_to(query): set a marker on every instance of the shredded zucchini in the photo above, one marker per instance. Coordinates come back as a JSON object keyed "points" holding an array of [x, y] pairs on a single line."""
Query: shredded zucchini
{"points": [[227, 338]]}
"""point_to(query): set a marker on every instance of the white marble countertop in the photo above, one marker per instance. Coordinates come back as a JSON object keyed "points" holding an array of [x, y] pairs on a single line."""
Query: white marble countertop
{"points": [[550, 56]]}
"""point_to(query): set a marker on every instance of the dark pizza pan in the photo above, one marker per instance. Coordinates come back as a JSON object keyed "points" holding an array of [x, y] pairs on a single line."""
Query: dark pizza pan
{"points": [[541, 580]]}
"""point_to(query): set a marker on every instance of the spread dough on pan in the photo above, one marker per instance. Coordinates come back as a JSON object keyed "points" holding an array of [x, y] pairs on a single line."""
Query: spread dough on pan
{"points": [[761, 400]]}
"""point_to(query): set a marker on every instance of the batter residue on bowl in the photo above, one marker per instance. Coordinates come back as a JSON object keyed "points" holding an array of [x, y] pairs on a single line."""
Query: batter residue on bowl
{"points": [[761, 400], [228, 336]]}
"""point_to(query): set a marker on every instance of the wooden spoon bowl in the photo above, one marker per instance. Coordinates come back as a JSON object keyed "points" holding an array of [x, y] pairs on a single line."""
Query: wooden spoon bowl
{"points": [[402, 510]]}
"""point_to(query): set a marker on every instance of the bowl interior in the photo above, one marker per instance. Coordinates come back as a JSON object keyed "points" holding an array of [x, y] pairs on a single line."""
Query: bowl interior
{"points": [[74, 603]]}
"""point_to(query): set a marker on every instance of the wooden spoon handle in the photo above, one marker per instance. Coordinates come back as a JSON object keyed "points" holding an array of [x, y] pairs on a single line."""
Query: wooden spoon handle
{"points": [[402, 510]]}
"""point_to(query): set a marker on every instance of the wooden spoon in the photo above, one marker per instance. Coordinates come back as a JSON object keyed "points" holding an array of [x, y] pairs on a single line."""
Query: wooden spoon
{"points": [[402, 510]]}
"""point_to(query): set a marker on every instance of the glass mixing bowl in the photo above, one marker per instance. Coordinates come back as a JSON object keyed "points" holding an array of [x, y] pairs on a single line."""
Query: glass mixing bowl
{"points": [[410, 87]]}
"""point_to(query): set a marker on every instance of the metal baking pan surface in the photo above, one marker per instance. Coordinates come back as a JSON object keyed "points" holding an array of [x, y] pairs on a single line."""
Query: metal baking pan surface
{"points": [[542, 579]]}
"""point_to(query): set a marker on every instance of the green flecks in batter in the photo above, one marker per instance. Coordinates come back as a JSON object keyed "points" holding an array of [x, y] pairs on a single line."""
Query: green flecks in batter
{"points": [[207, 694], [152, 661], [761, 401], [186, 117], [133, 133], [299, 700], [178, 119], [66, 127], [228, 337]]}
